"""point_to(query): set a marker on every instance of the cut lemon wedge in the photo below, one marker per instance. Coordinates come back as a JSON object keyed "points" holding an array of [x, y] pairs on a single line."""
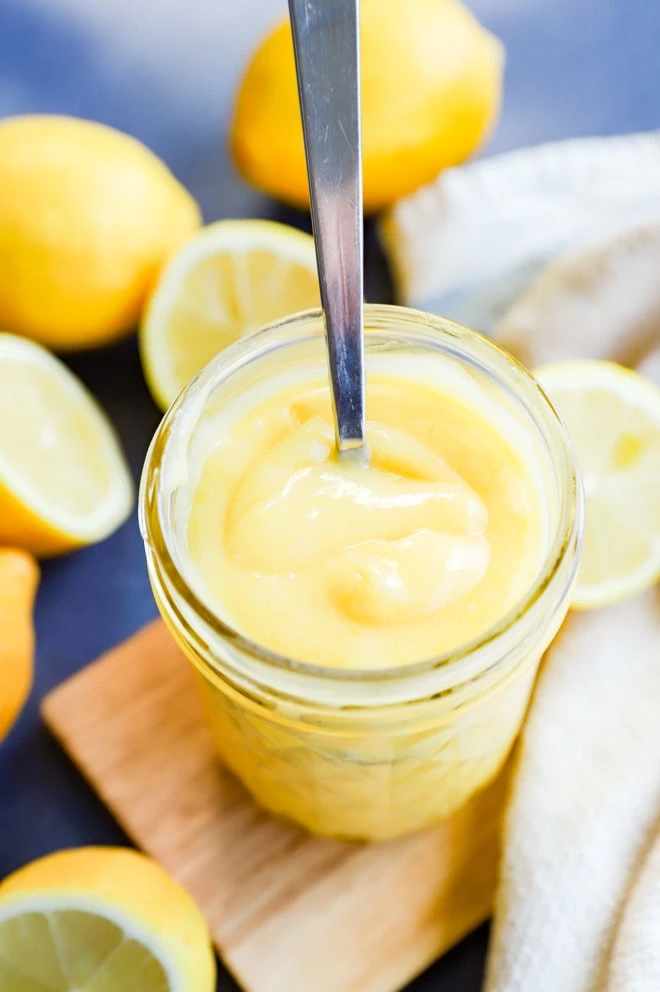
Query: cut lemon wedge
{"points": [[613, 416], [232, 278], [64, 481], [101, 920]]}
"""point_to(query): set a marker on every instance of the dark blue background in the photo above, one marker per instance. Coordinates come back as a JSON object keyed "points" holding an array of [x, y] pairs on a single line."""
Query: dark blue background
{"points": [[165, 72]]}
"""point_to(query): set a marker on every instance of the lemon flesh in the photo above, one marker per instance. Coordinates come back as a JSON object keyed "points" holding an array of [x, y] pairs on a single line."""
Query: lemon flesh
{"points": [[101, 920], [613, 416], [231, 279], [63, 478], [74, 950]]}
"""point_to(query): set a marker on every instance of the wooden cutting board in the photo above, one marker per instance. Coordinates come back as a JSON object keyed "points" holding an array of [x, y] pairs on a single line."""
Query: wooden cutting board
{"points": [[288, 912]]}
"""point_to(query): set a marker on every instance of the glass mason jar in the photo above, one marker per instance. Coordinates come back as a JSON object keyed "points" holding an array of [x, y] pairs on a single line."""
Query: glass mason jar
{"points": [[362, 754]]}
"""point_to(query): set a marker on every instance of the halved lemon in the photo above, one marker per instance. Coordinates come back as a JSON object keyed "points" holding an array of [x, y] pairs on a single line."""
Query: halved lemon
{"points": [[232, 278], [613, 416], [101, 920], [64, 481]]}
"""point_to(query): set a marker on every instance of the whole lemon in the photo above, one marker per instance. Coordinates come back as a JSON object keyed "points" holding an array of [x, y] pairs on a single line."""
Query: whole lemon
{"points": [[431, 88], [19, 577], [88, 215]]}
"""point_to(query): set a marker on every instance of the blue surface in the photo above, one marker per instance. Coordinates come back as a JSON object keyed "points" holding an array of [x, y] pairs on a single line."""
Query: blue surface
{"points": [[165, 72]]}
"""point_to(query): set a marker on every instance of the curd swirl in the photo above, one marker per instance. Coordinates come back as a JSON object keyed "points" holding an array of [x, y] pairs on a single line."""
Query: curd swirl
{"points": [[366, 631], [364, 562]]}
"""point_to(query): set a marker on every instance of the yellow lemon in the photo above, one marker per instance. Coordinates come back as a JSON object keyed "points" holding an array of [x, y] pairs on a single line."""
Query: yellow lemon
{"points": [[63, 478], [88, 215], [19, 576], [613, 415], [102, 920], [431, 89], [230, 279]]}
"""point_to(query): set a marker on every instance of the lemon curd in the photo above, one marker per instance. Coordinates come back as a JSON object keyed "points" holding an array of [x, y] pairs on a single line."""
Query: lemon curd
{"points": [[360, 563], [366, 631]]}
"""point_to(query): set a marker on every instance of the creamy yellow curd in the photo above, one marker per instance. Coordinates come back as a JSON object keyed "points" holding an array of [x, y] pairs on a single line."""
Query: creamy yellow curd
{"points": [[361, 563], [366, 633]]}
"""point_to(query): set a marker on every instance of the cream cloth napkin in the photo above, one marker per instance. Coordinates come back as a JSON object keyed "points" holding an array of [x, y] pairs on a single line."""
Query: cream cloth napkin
{"points": [[555, 252], [578, 906]]}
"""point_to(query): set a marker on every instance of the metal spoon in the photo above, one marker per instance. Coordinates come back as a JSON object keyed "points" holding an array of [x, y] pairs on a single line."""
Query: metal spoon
{"points": [[326, 45]]}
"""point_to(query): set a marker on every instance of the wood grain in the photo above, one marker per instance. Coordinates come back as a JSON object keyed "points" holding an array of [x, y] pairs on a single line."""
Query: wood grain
{"points": [[288, 912]]}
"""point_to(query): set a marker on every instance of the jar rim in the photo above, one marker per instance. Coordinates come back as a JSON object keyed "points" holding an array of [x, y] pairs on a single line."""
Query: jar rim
{"points": [[383, 318]]}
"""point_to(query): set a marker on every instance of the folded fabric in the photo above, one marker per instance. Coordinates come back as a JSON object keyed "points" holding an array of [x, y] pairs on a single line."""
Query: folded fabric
{"points": [[583, 811], [555, 252], [600, 299], [578, 903], [650, 365], [466, 245], [635, 960]]}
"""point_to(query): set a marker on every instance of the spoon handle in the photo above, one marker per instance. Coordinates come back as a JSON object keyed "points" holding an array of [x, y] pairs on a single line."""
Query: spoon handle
{"points": [[326, 44]]}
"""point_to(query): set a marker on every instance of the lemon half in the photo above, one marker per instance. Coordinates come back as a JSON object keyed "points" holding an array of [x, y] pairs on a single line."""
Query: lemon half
{"points": [[229, 280], [101, 920], [613, 416], [64, 481]]}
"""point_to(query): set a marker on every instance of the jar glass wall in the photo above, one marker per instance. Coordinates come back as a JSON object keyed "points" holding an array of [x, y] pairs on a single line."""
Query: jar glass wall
{"points": [[368, 754]]}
